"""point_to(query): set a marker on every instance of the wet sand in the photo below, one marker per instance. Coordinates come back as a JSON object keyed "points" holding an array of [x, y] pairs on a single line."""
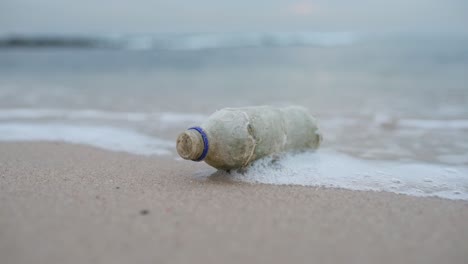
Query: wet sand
{"points": [[62, 203]]}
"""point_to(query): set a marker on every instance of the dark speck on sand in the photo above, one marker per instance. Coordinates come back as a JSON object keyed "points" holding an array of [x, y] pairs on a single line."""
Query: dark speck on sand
{"points": [[144, 212]]}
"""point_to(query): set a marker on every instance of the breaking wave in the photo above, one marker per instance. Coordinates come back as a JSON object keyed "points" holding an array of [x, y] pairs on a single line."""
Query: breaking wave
{"points": [[181, 41]]}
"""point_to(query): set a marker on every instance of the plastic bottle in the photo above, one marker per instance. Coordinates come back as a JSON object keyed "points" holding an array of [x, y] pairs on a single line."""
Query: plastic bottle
{"points": [[232, 138]]}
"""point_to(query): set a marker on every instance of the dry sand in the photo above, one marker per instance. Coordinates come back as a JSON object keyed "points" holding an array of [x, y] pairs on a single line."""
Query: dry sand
{"points": [[62, 203]]}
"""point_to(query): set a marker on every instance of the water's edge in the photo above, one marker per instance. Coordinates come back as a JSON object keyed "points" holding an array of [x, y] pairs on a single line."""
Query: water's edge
{"points": [[326, 167]]}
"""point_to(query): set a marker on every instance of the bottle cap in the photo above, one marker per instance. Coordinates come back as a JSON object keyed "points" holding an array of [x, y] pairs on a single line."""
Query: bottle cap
{"points": [[192, 144]]}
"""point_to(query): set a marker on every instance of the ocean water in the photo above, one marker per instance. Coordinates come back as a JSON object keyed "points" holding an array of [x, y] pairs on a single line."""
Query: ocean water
{"points": [[393, 109]]}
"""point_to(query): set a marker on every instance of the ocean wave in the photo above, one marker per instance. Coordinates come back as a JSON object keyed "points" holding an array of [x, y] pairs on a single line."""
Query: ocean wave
{"points": [[178, 118], [118, 131], [163, 118], [323, 168], [181, 41]]}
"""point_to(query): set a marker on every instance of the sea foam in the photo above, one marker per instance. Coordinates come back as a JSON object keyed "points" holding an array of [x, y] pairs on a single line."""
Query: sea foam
{"points": [[327, 168], [164, 118], [105, 137]]}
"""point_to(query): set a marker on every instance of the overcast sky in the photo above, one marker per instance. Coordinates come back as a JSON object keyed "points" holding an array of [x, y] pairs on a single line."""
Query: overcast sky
{"points": [[146, 16]]}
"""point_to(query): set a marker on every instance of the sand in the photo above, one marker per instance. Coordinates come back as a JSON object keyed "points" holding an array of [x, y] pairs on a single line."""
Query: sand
{"points": [[62, 203]]}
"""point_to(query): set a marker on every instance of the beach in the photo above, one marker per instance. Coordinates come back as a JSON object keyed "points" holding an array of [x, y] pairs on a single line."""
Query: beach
{"points": [[63, 203], [89, 171]]}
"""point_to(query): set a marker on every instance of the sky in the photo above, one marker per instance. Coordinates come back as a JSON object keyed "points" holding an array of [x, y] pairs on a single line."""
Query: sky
{"points": [[155, 16]]}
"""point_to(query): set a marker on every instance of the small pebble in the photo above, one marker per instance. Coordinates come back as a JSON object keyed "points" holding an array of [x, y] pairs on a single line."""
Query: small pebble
{"points": [[144, 212]]}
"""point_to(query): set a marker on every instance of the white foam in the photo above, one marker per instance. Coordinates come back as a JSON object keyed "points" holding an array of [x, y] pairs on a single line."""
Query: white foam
{"points": [[239, 40], [195, 41], [418, 124], [165, 118], [175, 118], [170, 118], [453, 158], [331, 169], [434, 124], [324, 168], [105, 137]]}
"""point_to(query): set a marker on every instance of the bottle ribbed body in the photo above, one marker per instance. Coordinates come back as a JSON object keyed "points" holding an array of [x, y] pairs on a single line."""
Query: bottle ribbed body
{"points": [[239, 136]]}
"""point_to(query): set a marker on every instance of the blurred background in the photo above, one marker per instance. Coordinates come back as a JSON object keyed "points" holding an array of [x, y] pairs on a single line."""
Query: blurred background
{"points": [[155, 16], [386, 79]]}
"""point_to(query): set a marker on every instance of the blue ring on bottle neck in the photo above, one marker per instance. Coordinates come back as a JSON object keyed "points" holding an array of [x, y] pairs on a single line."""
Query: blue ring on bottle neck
{"points": [[206, 145]]}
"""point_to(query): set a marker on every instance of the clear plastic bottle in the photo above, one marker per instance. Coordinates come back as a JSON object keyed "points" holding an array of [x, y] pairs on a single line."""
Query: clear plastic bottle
{"points": [[232, 138]]}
